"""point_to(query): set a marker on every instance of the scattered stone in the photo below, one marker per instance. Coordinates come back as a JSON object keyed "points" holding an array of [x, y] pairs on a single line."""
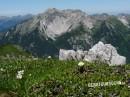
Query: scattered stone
{"points": [[4, 95], [8, 94]]}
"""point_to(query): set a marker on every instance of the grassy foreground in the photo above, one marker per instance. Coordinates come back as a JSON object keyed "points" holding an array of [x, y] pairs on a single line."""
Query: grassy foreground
{"points": [[54, 78]]}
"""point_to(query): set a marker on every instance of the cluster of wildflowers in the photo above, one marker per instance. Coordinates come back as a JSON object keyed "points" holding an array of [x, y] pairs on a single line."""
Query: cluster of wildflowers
{"points": [[20, 74]]}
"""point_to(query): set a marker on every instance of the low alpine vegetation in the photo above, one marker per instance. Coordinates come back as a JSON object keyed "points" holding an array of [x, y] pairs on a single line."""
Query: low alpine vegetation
{"points": [[54, 78]]}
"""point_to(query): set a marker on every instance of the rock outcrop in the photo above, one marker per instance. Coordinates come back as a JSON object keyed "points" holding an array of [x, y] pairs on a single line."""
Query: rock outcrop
{"points": [[67, 54], [105, 53]]}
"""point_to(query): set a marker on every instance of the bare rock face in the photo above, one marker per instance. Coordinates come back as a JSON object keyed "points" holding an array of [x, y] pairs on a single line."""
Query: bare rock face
{"points": [[124, 20], [80, 55], [57, 22], [105, 53], [67, 54]]}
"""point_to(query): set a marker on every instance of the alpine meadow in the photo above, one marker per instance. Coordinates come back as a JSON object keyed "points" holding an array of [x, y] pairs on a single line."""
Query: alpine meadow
{"points": [[65, 48]]}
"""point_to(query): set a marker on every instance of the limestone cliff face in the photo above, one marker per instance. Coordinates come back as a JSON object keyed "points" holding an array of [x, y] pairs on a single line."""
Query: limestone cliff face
{"points": [[56, 22]]}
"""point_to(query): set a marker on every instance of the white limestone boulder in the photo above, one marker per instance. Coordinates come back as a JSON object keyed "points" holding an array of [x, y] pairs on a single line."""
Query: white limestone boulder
{"points": [[67, 55], [105, 53]]}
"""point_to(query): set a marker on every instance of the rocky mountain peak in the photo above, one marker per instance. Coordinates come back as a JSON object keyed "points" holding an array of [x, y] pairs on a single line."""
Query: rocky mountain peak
{"points": [[57, 22], [52, 10], [54, 23]]}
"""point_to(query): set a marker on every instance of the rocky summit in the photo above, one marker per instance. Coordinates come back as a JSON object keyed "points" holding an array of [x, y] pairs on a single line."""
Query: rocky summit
{"points": [[105, 53]]}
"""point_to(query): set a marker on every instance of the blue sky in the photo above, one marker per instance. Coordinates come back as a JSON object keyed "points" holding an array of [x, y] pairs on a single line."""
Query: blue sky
{"points": [[15, 7]]}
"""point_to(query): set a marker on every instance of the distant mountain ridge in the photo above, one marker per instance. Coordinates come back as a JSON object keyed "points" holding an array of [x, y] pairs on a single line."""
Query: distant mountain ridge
{"points": [[7, 23], [46, 33]]}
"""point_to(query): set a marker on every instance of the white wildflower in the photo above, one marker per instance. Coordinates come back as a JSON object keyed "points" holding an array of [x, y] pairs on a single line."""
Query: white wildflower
{"points": [[81, 64], [49, 57], [20, 74], [35, 59], [2, 70]]}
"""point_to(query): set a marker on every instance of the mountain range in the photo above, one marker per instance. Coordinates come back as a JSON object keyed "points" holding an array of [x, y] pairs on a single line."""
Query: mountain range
{"points": [[46, 33], [8, 22]]}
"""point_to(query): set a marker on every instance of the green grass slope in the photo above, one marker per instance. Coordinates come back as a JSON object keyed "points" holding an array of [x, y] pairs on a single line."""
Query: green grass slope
{"points": [[12, 50], [54, 78]]}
